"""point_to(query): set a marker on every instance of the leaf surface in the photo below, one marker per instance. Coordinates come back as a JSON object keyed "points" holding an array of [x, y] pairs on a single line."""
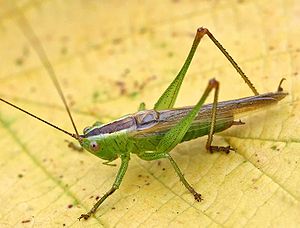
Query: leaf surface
{"points": [[110, 57]]}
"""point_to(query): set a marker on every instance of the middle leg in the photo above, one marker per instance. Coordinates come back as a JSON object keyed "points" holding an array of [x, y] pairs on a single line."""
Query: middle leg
{"points": [[155, 156]]}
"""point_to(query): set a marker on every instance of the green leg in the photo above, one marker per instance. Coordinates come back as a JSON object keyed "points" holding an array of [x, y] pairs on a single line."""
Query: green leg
{"points": [[196, 195], [115, 186], [142, 107], [155, 156], [168, 98], [176, 134]]}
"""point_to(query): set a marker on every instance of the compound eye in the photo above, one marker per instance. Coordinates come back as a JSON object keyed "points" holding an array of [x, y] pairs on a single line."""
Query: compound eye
{"points": [[94, 146]]}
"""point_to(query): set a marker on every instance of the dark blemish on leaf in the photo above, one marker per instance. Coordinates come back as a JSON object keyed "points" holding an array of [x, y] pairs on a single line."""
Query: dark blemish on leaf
{"points": [[117, 40], [19, 61], [74, 146], [61, 176], [145, 83], [97, 197], [174, 34], [258, 160], [70, 205], [140, 175], [163, 169], [295, 73], [170, 54], [64, 224], [71, 101], [26, 221], [64, 50], [273, 147], [159, 163], [91, 197], [125, 73], [113, 208], [148, 183], [133, 200], [163, 45], [143, 30], [255, 155], [83, 189], [122, 87], [20, 175], [95, 95]]}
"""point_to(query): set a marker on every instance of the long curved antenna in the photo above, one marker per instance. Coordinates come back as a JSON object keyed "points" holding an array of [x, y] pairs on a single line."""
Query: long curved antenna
{"points": [[44, 121], [37, 46]]}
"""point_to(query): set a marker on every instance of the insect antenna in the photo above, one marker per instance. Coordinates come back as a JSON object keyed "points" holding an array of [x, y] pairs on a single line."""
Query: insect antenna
{"points": [[40, 119], [37, 46]]}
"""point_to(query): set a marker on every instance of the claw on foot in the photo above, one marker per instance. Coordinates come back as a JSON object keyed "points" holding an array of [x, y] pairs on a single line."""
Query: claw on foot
{"points": [[84, 216], [197, 196], [225, 149]]}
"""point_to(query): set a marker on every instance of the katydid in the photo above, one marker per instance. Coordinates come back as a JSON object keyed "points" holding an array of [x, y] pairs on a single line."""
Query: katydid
{"points": [[152, 134]]}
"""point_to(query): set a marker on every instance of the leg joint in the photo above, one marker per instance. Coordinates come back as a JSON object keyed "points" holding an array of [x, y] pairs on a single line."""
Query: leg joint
{"points": [[213, 83], [202, 31]]}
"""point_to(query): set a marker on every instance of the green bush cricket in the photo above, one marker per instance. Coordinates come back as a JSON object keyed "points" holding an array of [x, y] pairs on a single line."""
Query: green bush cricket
{"points": [[152, 134]]}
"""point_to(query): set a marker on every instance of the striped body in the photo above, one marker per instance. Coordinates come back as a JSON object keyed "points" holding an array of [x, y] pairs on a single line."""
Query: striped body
{"points": [[143, 130]]}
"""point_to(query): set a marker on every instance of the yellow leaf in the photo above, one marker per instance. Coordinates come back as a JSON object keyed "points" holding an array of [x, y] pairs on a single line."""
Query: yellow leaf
{"points": [[109, 57]]}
